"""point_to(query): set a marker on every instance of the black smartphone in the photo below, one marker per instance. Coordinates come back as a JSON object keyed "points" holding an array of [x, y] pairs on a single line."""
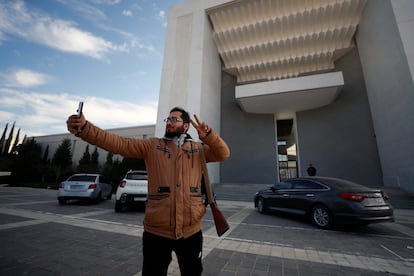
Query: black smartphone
{"points": [[80, 108]]}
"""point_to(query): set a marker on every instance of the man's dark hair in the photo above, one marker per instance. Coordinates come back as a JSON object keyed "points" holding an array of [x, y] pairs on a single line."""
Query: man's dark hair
{"points": [[184, 114]]}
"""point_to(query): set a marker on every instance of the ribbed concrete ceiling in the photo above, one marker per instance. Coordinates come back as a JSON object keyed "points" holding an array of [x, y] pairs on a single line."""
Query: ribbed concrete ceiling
{"points": [[263, 40]]}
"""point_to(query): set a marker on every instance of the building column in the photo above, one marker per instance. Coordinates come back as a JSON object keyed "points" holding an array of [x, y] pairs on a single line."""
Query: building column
{"points": [[191, 74]]}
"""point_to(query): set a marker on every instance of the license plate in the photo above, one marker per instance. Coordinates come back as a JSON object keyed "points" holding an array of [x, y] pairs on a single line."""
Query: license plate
{"points": [[76, 187], [374, 201], [139, 198]]}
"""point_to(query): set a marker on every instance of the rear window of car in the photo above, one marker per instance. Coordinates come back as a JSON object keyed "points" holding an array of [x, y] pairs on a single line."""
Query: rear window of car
{"points": [[137, 176], [308, 185], [341, 183], [88, 178]]}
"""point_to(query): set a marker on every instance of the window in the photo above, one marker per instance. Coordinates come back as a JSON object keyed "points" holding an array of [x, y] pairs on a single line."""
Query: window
{"points": [[137, 176], [307, 185], [103, 179], [86, 178], [286, 149], [283, 186]]}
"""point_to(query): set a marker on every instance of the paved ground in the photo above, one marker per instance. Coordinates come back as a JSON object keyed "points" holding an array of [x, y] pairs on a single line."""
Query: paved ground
{"points": [[40, 237]]}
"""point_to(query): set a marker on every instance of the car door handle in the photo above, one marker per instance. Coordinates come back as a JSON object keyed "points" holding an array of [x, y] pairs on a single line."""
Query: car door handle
{"points": [[285, 195], [310, 195]]}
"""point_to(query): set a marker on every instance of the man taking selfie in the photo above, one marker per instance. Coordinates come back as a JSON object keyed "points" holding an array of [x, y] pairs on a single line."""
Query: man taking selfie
{"points": [[175, 207]]}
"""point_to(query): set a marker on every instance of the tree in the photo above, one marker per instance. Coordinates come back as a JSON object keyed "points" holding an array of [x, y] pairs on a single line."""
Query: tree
{"points": [[132, 164], [62, 160], [24, 138], [107, 169], [16, 143], [45, 169], [26, 162], [8, 141], [116, 173], [46, 155], [3, 140], [94, 165], [112, 169], [7, 151], [85, 161], [89, 163]]}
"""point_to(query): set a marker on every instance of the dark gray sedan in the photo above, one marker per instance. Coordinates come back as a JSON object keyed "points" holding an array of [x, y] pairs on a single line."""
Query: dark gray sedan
{"points": [[327, 201]]}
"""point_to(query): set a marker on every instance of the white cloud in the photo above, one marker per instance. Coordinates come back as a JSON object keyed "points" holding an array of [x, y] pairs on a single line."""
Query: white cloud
{"points": [[127, 13], [42, 114], [88, 11], [107, 2], [162, 17], [24, 78], [5, 116], [98, 18], [55, 33]]}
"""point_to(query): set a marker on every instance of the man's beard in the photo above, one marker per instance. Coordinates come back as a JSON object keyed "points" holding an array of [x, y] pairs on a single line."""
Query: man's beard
{"points": [[176, 133]]}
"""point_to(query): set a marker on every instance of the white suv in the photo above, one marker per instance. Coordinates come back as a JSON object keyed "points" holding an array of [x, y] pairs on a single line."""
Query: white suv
{"points": [[132, 190]]}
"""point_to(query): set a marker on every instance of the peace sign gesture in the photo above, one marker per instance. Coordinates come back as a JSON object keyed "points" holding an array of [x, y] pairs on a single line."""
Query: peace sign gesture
{"points": [[202, 128]]}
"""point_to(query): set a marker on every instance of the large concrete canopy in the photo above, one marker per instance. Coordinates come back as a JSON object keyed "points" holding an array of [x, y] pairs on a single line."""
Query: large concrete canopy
{"points": [[264, 40], [280, 49], [290, 95]]}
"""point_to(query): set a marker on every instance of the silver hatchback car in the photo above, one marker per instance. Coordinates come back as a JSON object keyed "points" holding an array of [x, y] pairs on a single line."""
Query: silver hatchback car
{"points": [[85, 186]]}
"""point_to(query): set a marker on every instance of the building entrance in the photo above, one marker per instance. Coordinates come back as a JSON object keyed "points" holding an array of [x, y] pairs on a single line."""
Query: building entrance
{"points": [[286, 149]]}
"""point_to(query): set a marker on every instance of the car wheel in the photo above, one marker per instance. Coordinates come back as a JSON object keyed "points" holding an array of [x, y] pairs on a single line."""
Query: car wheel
{"points": [[118, 206], [261, 207], [321, 217], [98, 198], [62, 201]]}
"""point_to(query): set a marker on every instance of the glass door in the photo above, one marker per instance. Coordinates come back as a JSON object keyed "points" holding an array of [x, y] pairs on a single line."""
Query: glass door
{"points": [[286, 149]]}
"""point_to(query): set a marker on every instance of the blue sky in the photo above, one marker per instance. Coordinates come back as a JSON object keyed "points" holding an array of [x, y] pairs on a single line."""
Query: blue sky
{"points": [[55, 53]]}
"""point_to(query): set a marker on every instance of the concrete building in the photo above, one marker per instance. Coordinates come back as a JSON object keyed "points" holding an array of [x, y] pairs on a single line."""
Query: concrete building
{"points": [[288, 83], [78, 146]]}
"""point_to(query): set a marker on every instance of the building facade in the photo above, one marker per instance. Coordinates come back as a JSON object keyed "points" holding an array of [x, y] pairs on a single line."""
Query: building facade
{"points": [[78, 146], [289, 83], [292, 83]]}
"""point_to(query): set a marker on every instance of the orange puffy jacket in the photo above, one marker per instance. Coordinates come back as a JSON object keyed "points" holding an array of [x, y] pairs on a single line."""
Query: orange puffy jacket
{"points": [[175, 205]]}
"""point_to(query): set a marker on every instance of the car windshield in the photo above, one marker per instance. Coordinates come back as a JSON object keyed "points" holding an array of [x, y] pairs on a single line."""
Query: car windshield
{"points": [[137, 176], [86, 178]]}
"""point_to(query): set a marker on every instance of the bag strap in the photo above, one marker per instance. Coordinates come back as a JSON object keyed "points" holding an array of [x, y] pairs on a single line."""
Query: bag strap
{"points": [[209, 191]]}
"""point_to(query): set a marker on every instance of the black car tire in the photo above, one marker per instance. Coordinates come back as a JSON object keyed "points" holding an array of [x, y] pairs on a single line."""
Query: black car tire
{"points": [[118, 206], [321, 216], [62, 201], [98, 198], [261, 207]]}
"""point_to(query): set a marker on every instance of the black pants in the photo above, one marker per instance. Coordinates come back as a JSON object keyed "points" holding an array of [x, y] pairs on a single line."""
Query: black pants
{"points": [[157, 254]]}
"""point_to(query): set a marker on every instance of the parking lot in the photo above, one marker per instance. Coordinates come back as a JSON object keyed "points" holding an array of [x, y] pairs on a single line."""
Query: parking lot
{"points": [[40, 237]]}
